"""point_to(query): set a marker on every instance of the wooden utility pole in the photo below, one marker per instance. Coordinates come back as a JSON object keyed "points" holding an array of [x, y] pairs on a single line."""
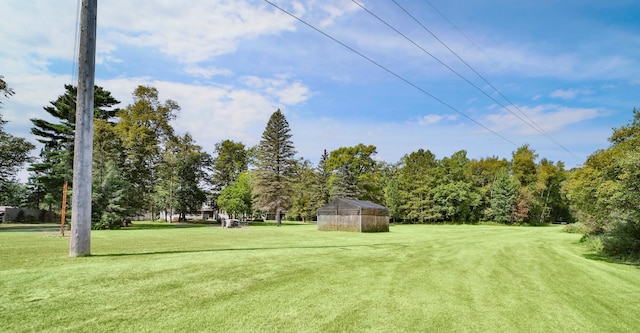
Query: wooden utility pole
{"points": [[63, 214], [80, 239]]}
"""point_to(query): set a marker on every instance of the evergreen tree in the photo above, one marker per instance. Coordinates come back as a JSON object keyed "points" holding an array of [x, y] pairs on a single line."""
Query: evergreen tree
{"points": [[503, 197], [344, 183], [56, 157], [108, 208], [5, 89], [276, 161], [323, 194], [362, 180]]}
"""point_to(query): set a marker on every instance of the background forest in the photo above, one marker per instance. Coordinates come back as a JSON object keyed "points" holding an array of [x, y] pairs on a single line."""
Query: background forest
{"points": [[143, 167]]}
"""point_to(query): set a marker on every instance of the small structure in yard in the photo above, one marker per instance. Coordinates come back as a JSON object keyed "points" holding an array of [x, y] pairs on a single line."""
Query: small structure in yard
{"points": [[353, 215]]}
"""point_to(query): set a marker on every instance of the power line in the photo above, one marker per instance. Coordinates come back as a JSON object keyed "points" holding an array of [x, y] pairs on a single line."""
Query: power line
{"points": [[533, 124], [459, 30], [391, 72], [74, 63]]}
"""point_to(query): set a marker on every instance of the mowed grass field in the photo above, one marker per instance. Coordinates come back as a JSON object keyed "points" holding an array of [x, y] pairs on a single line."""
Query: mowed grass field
{"points": [[160, 277]]}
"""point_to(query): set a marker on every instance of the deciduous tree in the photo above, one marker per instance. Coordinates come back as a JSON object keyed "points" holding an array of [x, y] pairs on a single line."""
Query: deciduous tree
{"points": [[236, 198], [144, 128]]}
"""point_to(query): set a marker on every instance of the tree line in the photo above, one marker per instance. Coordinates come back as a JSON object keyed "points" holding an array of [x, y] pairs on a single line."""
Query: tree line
{"points": [[142, 166]]}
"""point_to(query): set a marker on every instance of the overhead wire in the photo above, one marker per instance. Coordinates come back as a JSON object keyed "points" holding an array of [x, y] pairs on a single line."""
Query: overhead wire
{"points": [[537, 129], [530, 122], [459, 30], [451, 107], [74, 62]]}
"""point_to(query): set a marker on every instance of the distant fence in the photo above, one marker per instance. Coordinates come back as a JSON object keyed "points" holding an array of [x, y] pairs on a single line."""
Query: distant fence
{"points": [[24, 215]]}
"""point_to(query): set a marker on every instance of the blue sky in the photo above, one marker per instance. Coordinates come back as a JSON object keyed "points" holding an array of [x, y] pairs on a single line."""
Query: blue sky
{"points": [[570, 67]]}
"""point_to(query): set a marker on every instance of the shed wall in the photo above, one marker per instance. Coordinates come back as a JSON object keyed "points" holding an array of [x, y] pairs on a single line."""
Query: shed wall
{"points": [[375, 223], [339, 222]]}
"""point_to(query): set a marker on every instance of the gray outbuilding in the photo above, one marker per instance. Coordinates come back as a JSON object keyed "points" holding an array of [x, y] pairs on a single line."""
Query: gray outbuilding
{"points": [[353, 215]]}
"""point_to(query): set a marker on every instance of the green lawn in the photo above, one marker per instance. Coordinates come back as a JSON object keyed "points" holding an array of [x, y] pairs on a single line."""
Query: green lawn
{"points": [[416, 278]]}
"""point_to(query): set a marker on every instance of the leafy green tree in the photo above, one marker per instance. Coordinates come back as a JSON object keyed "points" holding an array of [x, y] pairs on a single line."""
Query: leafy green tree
{"points": [[524, 171], [231, 159], [14, 153], [416, 178], [523, 165], [304, 184], [144, 128], [552, 203], [166, 182], [236, 198], [356, 172], [13, 193], [229, 162], [276, 162], [454, 196], [392, 195], [483, 174], [191, 175], [604, 192]]}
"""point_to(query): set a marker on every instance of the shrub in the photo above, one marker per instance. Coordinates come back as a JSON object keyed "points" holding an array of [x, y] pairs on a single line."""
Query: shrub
{"points": [[108, 220], [593, 243], [20, 216], [623, 241], [575, 228]]}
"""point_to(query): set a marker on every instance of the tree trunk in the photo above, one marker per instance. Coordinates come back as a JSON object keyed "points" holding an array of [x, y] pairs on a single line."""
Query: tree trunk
{"points": [[278, 217]]}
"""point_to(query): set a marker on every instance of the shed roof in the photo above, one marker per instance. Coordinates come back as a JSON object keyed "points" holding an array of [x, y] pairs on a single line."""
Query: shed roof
{"points": [[343, 206], [361, 203]]}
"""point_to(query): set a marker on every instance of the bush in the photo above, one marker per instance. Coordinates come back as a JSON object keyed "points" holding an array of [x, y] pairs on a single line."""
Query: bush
{"points": [[107, 221], [623, 241], [593, 243], [575, 228]]}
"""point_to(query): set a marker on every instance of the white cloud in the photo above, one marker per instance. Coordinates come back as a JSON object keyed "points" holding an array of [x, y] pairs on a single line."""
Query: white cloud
{"points": [[288, 93], [336, 10], [193, 32], [431, 119], [206, 72], [549, 118], [569, 93]]}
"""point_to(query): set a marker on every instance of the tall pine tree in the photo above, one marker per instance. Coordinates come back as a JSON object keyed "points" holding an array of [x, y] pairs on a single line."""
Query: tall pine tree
{"points": [[56, 156], [276, 161]]}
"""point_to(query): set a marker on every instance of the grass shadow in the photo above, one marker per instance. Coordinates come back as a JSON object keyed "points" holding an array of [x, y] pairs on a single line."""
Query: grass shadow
{"points": [[603, 258], [17, 227], [165, 226], [342, 246]]}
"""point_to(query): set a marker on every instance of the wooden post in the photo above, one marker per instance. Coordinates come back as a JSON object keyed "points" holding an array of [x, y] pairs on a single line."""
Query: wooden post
{"points": [[63, 216], [80, 239]]}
